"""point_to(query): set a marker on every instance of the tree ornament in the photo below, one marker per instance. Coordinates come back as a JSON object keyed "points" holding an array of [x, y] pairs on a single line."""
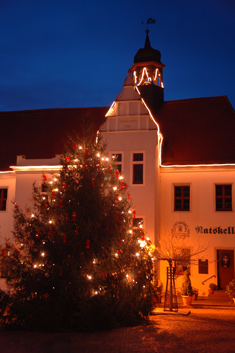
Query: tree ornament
{"points": [[47, 275], [93, 182], [86, 151], [44, 177], [74, 217], [74, 146], [77, 230], [60, 204], [64, 238], [121, 184], [88, 244], [17, 251], [117, 173], [134, 213], [128, 196], [84, 166], [50, 231]]}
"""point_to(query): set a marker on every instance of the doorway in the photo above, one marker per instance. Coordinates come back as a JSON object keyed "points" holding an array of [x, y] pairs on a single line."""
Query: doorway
{"points": [[225, 261]]}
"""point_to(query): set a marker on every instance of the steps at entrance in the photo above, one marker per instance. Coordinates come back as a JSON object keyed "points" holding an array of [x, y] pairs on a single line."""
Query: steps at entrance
{"points": [[220, 296]]}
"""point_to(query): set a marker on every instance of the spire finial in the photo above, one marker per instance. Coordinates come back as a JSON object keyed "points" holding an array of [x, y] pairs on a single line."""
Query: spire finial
{"points": [[149, 21]]}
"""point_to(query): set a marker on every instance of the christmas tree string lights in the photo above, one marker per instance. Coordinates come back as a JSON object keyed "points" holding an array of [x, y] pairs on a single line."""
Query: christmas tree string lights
{"points": [[77, 243]]}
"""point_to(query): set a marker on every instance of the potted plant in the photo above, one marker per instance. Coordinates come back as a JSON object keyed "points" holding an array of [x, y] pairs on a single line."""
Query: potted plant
{"points": [[230, 289], [212, 288], [195, 293], [187, 290], [157, 294]]}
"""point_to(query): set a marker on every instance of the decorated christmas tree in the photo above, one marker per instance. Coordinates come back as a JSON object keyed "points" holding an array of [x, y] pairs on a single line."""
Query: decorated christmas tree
{"points": [[76, 261]]}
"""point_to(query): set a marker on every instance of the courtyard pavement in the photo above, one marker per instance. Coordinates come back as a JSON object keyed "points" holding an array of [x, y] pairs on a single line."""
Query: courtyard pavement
{"points": [[210, 327]]}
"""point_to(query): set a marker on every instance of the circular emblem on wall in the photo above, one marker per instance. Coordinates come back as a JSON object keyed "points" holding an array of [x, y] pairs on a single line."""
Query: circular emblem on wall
{"points": [[180, 230], [225, 261]]}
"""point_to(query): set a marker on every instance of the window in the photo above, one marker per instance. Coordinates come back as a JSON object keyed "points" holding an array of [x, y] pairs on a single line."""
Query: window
{"points": [[44, 188], [117, 159], [183, 263], [3, 199], [223, 197], [182, 198], [138, 168], [138, 223], [203, 266], [4, 264]]}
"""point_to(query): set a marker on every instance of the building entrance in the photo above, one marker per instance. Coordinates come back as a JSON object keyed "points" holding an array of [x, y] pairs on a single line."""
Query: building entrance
{"points": [[225, 260]]}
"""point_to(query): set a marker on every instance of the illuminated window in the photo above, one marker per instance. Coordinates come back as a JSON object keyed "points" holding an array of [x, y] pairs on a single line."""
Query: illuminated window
{"points": [[223, 197], [117, 159], [182, 198], [138, 168], [183, 263], [3, 199]]}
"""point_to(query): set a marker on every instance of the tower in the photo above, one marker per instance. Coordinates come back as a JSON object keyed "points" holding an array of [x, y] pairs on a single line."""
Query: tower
{"points": [[132, 134], [147, 73]]}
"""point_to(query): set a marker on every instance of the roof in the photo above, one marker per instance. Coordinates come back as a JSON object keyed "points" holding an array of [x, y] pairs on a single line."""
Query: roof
{"points": [[42, 133], [147, 53], [197, 131]]}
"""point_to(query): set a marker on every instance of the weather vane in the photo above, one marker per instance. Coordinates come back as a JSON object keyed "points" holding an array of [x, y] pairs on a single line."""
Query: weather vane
{"points": [[149, 21]]}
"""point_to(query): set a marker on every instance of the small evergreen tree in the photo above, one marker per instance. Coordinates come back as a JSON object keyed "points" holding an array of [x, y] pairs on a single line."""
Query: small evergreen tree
{"points": [[76, 261], [186, 284]]}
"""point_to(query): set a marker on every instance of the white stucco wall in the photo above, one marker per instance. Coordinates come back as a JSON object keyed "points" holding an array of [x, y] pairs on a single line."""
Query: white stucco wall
{"points": [[142, 195], [7, 180], [202, 213]]}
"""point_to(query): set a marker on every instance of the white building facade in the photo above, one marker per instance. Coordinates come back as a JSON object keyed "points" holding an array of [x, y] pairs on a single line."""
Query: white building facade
{"points": [[180, 173]]}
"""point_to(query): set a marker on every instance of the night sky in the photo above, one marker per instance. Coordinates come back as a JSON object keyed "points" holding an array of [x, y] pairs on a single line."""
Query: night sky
{"points": [[61, 54]]}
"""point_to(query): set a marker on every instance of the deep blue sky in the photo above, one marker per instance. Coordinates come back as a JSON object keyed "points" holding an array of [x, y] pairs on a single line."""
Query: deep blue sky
{"points": [[56, 54]]}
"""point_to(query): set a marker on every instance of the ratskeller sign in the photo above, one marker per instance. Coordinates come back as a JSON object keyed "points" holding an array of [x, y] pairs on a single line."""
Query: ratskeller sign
{"points": [[215, 230]]}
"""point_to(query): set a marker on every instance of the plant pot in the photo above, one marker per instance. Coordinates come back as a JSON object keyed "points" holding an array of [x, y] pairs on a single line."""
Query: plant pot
{"points": [[210, 291], [194, 296], [156, 299], [187, 300]]}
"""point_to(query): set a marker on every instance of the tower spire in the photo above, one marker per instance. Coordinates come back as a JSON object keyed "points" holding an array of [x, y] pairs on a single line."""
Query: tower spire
{"points": [[147, 40]]}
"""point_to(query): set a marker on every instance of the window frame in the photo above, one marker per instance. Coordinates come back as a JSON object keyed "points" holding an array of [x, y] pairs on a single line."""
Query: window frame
{"points": [[137, 162], [2, 198], [140, 220], [118, 163], [223, 197], [182, 197]]}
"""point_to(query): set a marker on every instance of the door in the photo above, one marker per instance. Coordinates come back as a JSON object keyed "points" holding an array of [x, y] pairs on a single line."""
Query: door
{"points": [[225, 260]]}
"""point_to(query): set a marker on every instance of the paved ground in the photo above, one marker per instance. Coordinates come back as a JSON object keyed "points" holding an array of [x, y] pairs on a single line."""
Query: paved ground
{"points": [[210, 327]]}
